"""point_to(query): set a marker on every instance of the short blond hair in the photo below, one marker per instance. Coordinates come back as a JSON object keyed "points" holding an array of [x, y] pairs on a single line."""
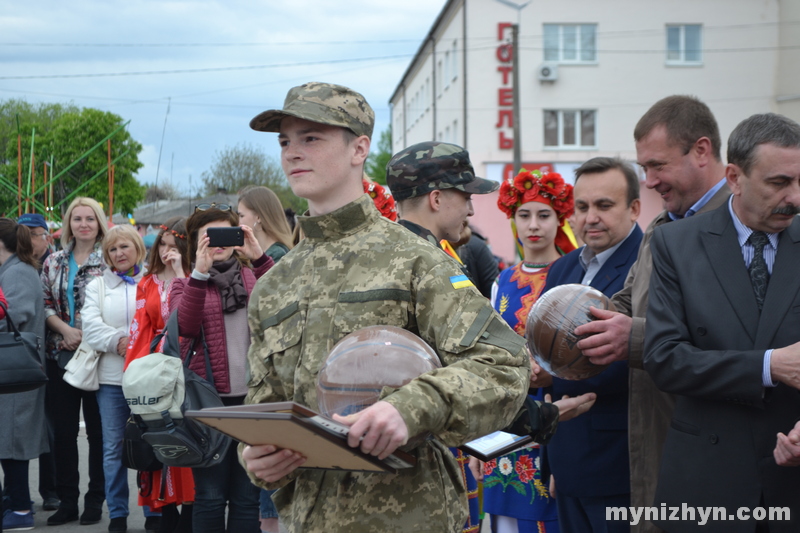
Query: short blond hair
{"points": [[118, 233], [102, 224]]}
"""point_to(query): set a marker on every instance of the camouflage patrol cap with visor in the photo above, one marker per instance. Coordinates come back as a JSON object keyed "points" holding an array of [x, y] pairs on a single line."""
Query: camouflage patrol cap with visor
{"points": [[323, 103], [428, 166]]}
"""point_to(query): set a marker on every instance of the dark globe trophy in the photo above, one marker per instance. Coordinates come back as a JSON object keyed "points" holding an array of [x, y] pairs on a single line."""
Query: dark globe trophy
{"points": [[550, 330], [366, 361]]}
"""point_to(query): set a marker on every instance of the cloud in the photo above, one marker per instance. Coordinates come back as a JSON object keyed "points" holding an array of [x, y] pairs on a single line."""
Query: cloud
{"points": [[208, 110]]}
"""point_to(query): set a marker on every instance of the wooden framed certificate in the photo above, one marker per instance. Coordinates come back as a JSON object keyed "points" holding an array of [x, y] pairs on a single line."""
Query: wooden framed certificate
{"points": [[290, 425]]}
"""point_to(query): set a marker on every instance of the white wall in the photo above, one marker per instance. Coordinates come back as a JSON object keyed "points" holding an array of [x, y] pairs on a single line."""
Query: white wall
{"points": [[743, 72]]}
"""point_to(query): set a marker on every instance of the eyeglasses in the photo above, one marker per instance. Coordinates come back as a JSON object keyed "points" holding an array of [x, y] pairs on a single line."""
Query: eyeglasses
{"points": [[206, 207], [42, 235]]}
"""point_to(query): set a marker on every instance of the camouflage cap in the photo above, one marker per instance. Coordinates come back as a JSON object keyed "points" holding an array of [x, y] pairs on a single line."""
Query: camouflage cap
{"points": [[323, 103], [428, 166]]}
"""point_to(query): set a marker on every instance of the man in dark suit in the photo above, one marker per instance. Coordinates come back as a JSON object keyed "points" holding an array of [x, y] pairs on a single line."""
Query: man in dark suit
{"points": [[588, 456], [722, 336]]}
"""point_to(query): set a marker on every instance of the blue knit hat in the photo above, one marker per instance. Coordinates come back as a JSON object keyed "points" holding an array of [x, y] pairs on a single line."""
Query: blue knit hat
{"points": [[32, 220]]}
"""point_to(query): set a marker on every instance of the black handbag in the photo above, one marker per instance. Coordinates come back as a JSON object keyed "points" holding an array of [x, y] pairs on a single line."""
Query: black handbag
{"points": [[21, 366], [136, 453], [178, 441]]}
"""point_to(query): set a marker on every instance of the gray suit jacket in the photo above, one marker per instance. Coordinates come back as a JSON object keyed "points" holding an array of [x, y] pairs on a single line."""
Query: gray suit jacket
{"points": [[705, 344]]}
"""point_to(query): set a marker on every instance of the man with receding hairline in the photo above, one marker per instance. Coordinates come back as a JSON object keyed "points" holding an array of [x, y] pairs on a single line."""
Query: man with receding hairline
{"points": [[678, 147]]}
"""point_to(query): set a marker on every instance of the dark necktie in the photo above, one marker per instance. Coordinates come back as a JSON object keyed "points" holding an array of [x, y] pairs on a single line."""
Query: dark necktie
{"points": [[759, 275]]}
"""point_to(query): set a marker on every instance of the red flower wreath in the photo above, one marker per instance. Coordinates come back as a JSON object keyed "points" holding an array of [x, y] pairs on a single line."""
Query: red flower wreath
{"points": [[508, 199], [565, 203], [382, 199], [552, 184], [528, 185]]}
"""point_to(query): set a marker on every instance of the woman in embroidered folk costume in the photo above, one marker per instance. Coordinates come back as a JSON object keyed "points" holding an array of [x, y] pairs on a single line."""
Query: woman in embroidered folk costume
{"points": [[107, 314], [168, 261], [515, 495]]}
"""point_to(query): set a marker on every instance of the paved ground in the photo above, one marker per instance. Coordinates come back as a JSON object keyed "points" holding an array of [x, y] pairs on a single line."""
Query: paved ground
{"points": [[135, 520]]}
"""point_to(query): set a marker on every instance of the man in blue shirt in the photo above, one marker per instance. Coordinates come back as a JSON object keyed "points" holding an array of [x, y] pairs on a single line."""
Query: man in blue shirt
{"points": [[678, 147], [588, 456]]}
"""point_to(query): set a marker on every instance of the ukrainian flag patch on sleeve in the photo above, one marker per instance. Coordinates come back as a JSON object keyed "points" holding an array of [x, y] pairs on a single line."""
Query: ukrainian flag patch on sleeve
{"points": [[459, 282]]}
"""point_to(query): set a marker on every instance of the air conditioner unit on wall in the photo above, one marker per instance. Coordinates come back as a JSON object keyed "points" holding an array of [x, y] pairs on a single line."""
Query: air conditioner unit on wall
{"points": [[547, 72]]}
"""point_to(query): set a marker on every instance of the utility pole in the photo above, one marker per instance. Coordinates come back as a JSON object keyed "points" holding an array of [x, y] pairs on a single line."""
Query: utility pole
{"points": [[515, 92]]}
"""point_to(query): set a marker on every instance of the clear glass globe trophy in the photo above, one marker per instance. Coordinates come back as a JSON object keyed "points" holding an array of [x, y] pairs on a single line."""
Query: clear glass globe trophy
{"points": [[364, 363]]}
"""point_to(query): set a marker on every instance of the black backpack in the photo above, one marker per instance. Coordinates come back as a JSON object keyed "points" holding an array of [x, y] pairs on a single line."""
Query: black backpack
{"points": [[159, 389]]}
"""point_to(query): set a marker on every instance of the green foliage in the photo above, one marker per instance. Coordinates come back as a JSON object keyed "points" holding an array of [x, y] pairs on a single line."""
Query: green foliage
{"points": [[236, 167], [64, 135], [42, 116], [377, 160]]}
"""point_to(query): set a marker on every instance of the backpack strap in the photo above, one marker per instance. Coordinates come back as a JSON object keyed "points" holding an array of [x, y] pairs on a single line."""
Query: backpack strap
{"points": [[172, 345]]}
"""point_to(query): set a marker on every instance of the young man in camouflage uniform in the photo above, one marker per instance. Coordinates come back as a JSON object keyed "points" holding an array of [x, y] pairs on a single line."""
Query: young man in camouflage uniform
{"points": [[356, 269], [432, 183]]}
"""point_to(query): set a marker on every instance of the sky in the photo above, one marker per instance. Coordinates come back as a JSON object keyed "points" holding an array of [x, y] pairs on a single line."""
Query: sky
{"points": [[189, 75]]}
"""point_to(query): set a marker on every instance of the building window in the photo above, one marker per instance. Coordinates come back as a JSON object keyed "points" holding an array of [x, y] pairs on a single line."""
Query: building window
{"points": [[454, 61], [570, 43], [569, 129], [427, 94], [439, 78], [684, 44], [447, 68]]}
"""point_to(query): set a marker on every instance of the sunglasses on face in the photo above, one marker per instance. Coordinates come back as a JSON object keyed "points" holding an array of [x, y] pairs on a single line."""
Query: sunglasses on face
{"points": [[206, 207]]}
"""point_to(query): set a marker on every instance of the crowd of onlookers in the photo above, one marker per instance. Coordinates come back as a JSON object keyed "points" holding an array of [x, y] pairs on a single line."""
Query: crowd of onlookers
{"points": [[698, 404], [102, 287]]}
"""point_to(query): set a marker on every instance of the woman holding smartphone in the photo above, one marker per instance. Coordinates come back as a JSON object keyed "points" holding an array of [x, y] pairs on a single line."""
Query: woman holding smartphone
{"points": [[212, 303]]}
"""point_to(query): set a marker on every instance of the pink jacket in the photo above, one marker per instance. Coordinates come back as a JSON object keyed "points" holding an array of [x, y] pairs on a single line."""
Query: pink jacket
{"points": [[196, 298]]}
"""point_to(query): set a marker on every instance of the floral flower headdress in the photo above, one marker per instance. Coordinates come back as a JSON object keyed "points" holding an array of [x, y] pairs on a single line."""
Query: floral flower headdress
{"points": [[533, 186], [550, 189], [382, 199], [175, 234]]}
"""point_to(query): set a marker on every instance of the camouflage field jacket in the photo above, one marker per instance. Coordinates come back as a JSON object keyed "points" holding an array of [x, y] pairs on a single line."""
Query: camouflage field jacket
{"points": [[356, 269]]}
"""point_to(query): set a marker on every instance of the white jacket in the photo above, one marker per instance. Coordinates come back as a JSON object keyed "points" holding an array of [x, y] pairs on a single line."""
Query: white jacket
{"points": [[103, 333]]}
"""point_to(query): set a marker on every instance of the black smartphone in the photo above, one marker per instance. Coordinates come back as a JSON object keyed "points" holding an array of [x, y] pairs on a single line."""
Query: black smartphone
{"points": [[225, 237]]}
